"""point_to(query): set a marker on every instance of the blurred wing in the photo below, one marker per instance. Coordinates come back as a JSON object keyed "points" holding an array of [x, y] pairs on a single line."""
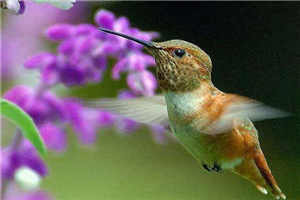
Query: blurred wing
{"points": [[148, 110], [253, 110]]}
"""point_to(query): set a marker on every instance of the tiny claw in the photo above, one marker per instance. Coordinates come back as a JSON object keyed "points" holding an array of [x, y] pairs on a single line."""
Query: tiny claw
{"points": [[206, 167], [216, 168]]}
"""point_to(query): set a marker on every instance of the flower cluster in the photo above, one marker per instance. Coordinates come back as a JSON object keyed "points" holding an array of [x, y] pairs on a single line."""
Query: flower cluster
{"points": [[83, 52], [81, 57], [15, 53]]}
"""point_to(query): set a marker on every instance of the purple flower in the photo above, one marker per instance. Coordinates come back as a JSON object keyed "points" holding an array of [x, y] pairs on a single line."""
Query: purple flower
{"points": [[71, 75], [82, 56], [60, 32], [83, 120], [86, 29], [53, 136], [106, 119], [48, 74], [26, 155], [83, 51], [22, 7], [20, 95], [41, 108], [142, 83], [15, 53], [119, 67], [135, 61], [105, 19], [76, 62], [39, 61]]}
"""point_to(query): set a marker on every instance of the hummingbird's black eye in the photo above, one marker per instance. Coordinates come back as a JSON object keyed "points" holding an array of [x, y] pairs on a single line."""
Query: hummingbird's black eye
{"points": [[179, 52]]}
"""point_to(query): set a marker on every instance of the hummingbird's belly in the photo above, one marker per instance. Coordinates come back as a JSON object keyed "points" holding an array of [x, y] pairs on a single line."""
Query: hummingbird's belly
{"points": [[205, 148], [180, 106], [196, 143]]}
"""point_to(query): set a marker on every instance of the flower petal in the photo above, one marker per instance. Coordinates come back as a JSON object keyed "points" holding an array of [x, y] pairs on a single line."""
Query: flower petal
{"points": [[20, 95], [106, 119], [60, 31], [31, 158], [119, 67], [72, 75], [56, 106], [54, 137], [100, 62], [67, 47], [105, 19], [142, 83], [49, 75], [84, 121], [85, 29], [22, 7], [39, 60], [26, 155], [86, 45]]}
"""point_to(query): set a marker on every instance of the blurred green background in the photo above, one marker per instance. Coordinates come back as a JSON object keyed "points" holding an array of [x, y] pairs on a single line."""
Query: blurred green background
{"points": [[255, 52]]}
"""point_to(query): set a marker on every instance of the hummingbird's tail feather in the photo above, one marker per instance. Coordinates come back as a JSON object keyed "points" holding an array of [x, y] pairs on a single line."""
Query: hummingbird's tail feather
{"points": [[249, 170], [266, 173], [262, 189], [257, 171]]}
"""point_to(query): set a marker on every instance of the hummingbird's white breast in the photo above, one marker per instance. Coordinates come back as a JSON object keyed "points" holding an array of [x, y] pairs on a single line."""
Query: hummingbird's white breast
{"points": [[185, 103], [181, 105]]}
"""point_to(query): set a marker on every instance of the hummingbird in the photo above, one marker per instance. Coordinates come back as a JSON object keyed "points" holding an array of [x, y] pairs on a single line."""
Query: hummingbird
{"points": [[214, 126]]}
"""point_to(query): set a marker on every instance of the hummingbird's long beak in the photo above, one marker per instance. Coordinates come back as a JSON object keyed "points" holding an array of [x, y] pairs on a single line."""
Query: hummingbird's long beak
{"points": [[143, 42]]}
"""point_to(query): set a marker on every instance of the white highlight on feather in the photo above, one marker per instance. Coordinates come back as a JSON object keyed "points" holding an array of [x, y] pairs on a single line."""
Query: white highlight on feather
{"points": [[262, 189]]}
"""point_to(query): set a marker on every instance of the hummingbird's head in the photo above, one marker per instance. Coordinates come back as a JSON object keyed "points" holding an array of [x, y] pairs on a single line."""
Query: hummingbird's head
{"points": [[181, 66]]}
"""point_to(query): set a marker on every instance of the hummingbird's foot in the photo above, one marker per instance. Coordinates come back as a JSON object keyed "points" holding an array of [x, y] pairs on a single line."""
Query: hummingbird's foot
{"points": [[205, 166], [216, 168]]}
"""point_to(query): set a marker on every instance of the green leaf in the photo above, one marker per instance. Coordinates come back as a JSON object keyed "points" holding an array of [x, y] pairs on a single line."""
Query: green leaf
{"points": [[25, 123]]}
